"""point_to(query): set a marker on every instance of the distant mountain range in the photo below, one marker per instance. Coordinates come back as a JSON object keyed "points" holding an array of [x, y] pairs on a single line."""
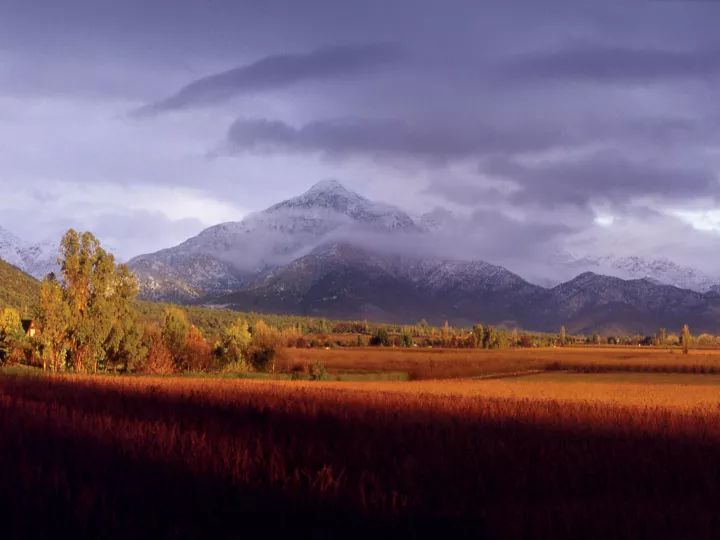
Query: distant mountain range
{"points": [[35, 259], [331, 252]]}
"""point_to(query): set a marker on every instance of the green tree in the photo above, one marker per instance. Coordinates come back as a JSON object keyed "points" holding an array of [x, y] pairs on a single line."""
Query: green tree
{"points": [[95, 291], [175, 334], [563, 336], [234, 343], [11, 332], [53, 322]]}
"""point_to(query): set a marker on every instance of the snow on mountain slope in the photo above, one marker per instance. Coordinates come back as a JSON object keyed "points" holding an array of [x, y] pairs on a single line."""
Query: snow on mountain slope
{"points": [[661, 270], [35, 259], [224, 256], [345, 280]]}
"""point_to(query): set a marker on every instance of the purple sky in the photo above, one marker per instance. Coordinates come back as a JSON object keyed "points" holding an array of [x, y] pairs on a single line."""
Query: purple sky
{"points": [[588, 128]]}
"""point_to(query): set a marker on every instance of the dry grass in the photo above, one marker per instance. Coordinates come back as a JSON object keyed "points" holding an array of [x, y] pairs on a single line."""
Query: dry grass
{"points": [[455, 363], [203, 457]]}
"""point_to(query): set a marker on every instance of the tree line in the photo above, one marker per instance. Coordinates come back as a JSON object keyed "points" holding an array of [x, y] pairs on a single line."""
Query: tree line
{"points": [[88, 319]]}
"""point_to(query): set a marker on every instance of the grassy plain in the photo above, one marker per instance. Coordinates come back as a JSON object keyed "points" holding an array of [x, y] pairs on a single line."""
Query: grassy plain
{"points": [[462, 363], [564, 453]]}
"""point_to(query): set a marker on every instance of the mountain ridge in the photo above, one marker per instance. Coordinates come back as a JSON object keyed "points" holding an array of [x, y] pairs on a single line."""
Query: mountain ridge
{"points": [[332, 252]]}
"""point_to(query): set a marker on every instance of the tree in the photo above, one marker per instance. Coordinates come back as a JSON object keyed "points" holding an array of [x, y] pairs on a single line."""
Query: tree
{"points": [[563, 336], [478, 333], [159, 358], [406, 338], [490, 338], [124, 342], [234, 343], [95, 290], [11, 333], [686, 337], [175, 334], [380, 338], [198, 353], [446, 334], [53, 322]]}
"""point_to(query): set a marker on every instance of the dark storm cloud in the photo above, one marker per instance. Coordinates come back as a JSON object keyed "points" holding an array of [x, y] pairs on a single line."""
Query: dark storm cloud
{"points": [[603, 176], [480, 106], [616, 64], [387, 137], [280, 71]]}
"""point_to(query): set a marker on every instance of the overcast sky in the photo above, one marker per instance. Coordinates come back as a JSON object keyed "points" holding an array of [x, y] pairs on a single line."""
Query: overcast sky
{"points": [[588, 128]]}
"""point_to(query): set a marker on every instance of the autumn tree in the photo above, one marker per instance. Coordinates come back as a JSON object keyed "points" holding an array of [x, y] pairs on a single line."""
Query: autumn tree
{"points": [[478, 333], [234, 343], [53, 322], [124, 342], [11, 333], [175, 334], [96, 290], [686, 337], [159, 360], [198, 353]]}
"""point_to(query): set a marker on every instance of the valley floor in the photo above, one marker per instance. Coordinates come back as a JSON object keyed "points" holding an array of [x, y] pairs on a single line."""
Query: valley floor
{"points": [[572, 450]]}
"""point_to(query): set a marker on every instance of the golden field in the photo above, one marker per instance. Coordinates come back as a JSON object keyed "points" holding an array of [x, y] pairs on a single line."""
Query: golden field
{"points": [[541, 443], [460, 363]]}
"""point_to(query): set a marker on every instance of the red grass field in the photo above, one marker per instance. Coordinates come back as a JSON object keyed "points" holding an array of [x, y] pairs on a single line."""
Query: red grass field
{"points": [[454, 363], [171, 457]]}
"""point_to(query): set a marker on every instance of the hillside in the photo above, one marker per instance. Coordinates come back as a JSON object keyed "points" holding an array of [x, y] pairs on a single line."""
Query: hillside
{"points": [[17, 289]]}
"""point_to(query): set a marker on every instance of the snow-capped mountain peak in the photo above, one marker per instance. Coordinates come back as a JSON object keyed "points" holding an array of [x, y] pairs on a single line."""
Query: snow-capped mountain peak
{"points": [[35, 259], [330, 196], [660, 270]]}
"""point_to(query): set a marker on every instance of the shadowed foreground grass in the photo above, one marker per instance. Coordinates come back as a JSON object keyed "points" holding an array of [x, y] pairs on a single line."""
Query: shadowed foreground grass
{"points": [[128, 457]]}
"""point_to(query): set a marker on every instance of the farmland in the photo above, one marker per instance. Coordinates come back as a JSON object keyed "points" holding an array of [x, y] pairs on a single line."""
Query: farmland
{"points": [[462, 363], [556, 453]]}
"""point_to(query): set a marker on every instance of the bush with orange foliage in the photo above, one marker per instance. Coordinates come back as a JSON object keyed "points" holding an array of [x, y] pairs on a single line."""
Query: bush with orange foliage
{"points": [[159, 359], [198, 352]]}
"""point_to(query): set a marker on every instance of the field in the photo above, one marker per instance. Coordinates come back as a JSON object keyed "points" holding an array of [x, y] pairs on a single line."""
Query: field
{"points": [[554, 454], [462, 363]]}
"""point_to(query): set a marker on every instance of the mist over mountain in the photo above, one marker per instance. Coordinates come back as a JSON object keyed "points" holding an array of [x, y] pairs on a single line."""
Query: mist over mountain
{"points": [[331, 252]]}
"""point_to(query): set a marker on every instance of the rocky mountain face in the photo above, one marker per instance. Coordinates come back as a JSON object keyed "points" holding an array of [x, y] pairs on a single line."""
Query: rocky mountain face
{"points": [[35, 259], [345, 281], [325, 253]]}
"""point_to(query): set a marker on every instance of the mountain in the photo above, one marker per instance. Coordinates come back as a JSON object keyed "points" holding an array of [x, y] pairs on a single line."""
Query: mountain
{"points": [[610, 305], [228, 256], [330, 252], [662, 270], [35, 259], [17, 289], [346, 281]]}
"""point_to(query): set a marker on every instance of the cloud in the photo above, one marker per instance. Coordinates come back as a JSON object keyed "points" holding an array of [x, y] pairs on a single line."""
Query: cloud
{"points": [[604, 176], [616, 64], [279, 71], [422, 139]]}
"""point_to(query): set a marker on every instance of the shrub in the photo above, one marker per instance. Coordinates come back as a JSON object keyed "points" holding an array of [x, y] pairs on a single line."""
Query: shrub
{"points": [[262, 358], [380, 338], [318, 372]]}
